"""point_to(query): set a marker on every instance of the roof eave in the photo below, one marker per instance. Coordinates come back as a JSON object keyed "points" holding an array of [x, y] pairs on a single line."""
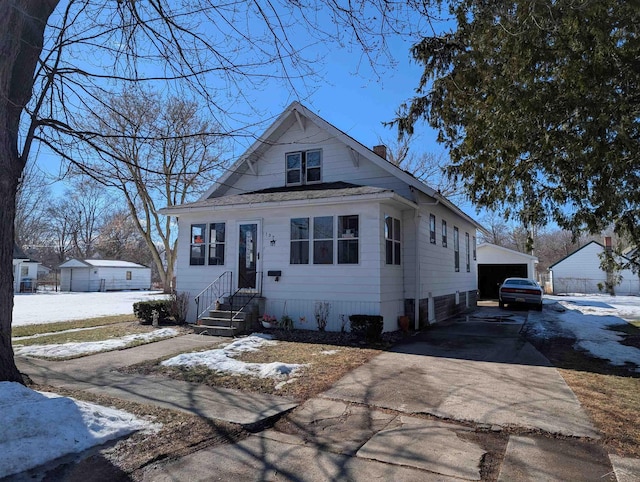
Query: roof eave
{"points": [[387, 195]]}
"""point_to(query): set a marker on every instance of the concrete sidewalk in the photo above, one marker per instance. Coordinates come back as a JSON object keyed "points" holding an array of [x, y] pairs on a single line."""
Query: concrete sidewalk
{"points": [[95, 373]]}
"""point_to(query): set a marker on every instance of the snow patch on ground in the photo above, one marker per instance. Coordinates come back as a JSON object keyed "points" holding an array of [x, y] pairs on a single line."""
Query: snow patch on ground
{"points": [[588, 319], [223, 360], [45, 426], [85, 348], [51, 307]]}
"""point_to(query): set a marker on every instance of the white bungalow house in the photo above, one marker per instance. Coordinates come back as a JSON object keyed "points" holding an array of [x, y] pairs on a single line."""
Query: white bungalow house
{"points": [[25, 271], [103, 275], [580, 272], [307, 214]]}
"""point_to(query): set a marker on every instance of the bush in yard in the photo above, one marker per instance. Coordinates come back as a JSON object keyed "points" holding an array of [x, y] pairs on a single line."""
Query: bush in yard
{"points": [[368, 327], [179, 306], [144, 310]]}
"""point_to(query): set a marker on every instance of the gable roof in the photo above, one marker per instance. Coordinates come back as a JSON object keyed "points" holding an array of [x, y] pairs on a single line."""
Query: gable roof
{"points": [[99, 263], [18, 253], [297, 113], [574, 252], [507, 250]]}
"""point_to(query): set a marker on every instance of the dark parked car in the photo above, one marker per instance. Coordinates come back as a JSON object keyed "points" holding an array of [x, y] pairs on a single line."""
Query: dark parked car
{"points": [[521, 291]]}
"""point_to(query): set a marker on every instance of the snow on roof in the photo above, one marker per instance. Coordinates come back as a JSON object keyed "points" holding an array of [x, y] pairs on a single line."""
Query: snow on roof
{"points": [[99, 263], [112, 263]]}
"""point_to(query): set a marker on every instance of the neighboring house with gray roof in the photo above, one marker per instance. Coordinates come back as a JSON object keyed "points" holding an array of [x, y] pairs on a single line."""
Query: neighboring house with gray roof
{"points": [[307, 214], [103, 275]]}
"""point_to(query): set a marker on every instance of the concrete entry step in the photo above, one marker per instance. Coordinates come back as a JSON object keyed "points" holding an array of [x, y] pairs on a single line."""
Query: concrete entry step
{"points": [[225, 331]]}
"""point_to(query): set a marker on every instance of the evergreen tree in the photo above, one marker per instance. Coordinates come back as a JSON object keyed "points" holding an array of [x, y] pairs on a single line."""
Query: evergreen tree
{"points": [[538, 102]]}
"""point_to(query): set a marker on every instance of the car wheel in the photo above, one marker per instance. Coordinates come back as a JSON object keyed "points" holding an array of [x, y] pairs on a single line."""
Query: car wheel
{"points": [[539, 307], [501, 304]]}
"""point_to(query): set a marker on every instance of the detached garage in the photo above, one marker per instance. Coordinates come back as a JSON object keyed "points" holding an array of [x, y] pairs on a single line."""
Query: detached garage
{"points": [[496, 263], [103, 275]]}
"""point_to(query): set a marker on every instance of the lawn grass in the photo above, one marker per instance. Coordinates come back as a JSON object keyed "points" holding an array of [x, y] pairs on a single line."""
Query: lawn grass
{"points": [[613, 403], [609, 394], [115, 330], [324, 365], [28, 330]]}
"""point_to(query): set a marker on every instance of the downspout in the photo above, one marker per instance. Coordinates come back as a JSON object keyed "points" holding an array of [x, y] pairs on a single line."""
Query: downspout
{"points": [[416, 304]]}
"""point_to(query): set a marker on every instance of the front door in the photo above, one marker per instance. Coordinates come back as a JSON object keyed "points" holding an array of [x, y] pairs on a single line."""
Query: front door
{"points": [[248, 256]]}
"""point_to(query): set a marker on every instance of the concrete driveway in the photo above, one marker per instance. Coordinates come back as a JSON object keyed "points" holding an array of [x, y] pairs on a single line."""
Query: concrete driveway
{"points": [[475, 369]]}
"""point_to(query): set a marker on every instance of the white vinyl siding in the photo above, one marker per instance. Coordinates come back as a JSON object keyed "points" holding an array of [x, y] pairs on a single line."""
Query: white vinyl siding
{"points": [[580, 272], [337, 164]]}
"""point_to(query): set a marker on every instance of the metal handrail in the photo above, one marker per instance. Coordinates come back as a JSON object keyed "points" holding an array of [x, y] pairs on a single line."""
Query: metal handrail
{"points": [[258, 292], [219, 288]]}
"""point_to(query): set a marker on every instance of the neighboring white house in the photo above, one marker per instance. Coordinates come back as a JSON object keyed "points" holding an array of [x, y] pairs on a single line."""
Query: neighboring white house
{"points": [[103, 275], [25, 271], [496, 263], [308, 214], [580, 272]]}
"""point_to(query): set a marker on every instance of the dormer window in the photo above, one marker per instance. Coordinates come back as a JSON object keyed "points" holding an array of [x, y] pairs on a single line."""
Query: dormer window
{"points": [[304, 167]]}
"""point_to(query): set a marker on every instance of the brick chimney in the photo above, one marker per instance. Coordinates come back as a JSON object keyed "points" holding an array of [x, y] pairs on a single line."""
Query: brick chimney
{"points": [[381, 150], [608, 246]]}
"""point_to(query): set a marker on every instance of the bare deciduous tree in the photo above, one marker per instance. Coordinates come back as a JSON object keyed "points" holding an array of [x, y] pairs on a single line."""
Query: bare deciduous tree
{"points": [[428, 167], [120, 239], [156, 152], [59, 56], [31, 202]]}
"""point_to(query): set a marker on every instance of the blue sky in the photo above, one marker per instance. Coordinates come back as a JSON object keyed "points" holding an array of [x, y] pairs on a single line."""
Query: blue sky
{"points": [[347, 93]]}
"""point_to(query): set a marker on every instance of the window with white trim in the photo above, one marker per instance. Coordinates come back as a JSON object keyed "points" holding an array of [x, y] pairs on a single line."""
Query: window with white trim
{"points": [[432, 228], [467, 251], [299, 253], [444, 233], [393, 246], [456, 249], [322, 231], [197, 244], [304, 167], [348, 239], [216, 243], [201, 242], [323, 240]]}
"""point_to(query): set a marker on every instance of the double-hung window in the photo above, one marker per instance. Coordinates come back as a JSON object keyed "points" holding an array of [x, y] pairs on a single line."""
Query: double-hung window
{"points": [[216, 243], [393, 245], [299, 241], [348, 241], [456, 249], [200, 240], [467, 252], [198, 235], [323, 240], [304, 167], [444, 233], [432, 228]]}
